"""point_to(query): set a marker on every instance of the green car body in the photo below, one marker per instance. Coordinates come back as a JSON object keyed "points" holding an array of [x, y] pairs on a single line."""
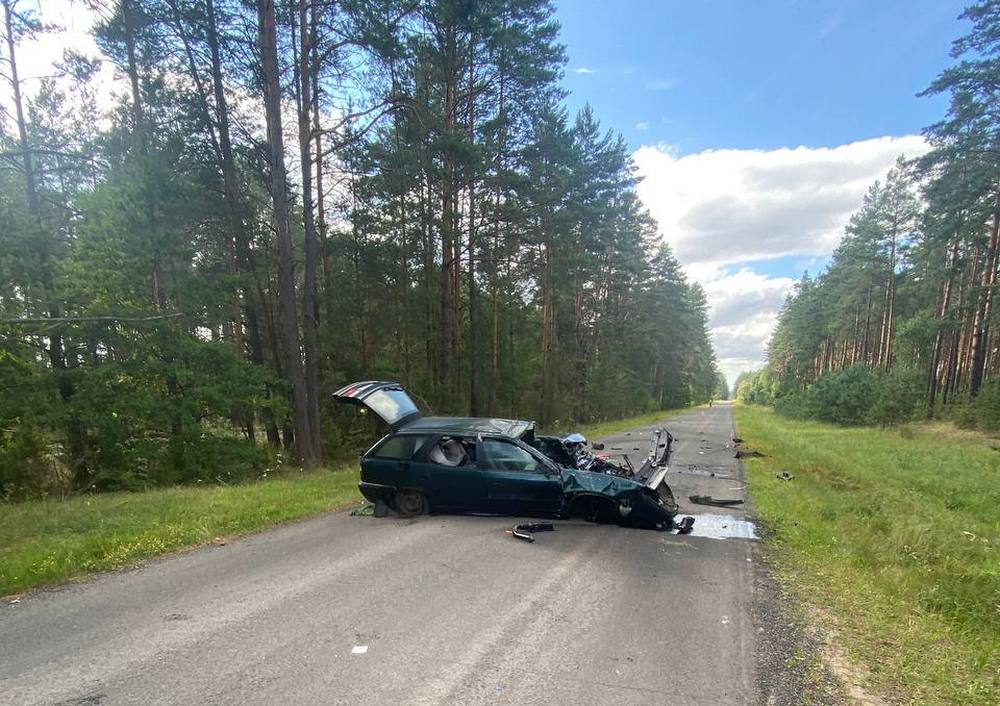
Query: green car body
{"points": [[499, 471]]}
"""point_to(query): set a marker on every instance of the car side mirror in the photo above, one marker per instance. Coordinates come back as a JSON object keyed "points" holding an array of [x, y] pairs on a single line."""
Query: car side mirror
{"points": [[597, 447]]}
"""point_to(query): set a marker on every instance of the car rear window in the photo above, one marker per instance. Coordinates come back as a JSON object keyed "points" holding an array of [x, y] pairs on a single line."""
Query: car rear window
{"points": [[401, 446], [391, 404]]}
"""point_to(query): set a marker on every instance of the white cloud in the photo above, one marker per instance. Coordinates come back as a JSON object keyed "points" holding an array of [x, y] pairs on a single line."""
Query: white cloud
{"points": [[721, 208], [584, 70], [642, 125]]}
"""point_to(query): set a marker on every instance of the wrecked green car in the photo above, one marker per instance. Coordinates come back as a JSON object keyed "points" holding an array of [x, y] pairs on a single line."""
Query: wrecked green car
{"points": [[487, 465]]}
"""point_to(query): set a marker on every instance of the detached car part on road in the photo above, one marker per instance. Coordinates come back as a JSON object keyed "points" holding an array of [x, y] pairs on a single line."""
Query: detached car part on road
{"points": [[495, 466]]}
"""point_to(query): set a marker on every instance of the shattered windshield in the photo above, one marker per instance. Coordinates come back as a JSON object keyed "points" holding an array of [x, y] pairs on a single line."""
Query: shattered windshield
{"points": [[391, 405]]}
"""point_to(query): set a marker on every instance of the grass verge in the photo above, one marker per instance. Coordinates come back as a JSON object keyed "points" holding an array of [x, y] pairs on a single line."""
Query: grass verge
{"points": [[891, 538], [50, 541]]}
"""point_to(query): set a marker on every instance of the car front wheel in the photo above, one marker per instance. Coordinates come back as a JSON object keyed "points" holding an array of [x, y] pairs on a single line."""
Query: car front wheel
{"points": [[410, 502]]}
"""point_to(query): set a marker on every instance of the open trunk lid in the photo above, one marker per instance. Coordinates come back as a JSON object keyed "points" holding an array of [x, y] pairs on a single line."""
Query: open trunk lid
{"points": [[387, 400]]}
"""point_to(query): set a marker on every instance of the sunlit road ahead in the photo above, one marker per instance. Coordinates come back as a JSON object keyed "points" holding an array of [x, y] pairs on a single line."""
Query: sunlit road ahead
{"points": [[448, 610]]}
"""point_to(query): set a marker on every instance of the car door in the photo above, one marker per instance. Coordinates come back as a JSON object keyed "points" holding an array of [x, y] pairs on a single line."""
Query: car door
{"points": [[519, 481], [459, 488], [390, 462]]}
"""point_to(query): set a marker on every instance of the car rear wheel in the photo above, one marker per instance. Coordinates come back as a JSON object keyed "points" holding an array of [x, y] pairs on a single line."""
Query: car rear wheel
{"points": [[410, 502]]}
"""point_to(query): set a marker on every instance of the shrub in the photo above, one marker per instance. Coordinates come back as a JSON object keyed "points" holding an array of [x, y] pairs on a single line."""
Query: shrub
{"points": [[846, 396], [900, 394], [983, 411]]}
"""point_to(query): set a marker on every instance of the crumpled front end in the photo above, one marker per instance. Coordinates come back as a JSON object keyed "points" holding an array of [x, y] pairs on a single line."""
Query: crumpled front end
{"points": [[599, 497]]}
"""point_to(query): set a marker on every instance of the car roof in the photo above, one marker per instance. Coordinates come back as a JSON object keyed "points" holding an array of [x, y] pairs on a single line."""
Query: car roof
{"points": [[470, 425]]}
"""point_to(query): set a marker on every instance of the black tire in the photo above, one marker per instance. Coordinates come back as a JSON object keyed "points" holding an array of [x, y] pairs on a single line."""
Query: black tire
{"points": [[593, 509], [410, 503]]}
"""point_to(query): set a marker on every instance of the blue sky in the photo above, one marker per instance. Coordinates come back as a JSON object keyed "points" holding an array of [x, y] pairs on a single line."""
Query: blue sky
{"points": [[757, 74], [757, 126]]}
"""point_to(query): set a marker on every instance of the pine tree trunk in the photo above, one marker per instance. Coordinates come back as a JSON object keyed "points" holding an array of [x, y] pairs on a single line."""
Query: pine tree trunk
{"points": [[471, 272], [309, 304], [885, 342], [138, 115], [934, 374], [980, 327], [304, 445]]}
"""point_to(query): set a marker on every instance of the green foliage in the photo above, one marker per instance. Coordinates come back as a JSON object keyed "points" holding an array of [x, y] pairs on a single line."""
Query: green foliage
{"points": [[844, 397], [852, 396], [983, 411], [486, 248], [892, 537], [900, 398]]}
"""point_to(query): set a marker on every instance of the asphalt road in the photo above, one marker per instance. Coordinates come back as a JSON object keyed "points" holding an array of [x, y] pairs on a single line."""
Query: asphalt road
{"points": [[436, 610]]}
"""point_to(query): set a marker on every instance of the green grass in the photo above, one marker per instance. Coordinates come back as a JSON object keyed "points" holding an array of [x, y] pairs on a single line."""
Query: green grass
{"points": [[892, 538], [50, 541]]}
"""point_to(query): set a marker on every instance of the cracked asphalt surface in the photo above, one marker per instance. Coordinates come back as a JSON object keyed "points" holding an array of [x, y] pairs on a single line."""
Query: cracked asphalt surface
{"points": [[451, 609]]}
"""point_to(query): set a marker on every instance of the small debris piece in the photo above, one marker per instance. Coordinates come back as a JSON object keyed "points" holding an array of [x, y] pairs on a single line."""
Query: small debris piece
{"points": [[684, 526], [219, 541], [749, 453], [717, 502], [785, 475], [359, 650], [737, 440], [363, 511], [524, 530]]}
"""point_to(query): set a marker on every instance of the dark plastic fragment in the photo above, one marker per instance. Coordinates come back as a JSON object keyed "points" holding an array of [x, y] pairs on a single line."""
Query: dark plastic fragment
{"points": [[524, 530], [717, 502], [684, 526]]}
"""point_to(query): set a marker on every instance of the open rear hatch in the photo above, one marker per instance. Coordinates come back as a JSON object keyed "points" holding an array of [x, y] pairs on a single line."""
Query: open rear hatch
{"points": [[387, 400]]}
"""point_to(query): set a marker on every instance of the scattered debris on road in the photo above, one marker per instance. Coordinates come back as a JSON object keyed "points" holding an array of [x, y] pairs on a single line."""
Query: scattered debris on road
{"points": [[359, 650], [717, 502], [525, 530]]}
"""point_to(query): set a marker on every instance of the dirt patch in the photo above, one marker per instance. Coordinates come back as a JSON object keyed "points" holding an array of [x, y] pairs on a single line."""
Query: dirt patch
{"points": [[851, 676]]}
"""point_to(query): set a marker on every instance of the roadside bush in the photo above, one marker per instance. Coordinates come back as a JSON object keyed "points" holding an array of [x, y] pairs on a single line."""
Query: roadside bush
{"points": [[983, 411], [28, 466], [900, 394], [796, 405], [846, 396], [857, 395]]}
